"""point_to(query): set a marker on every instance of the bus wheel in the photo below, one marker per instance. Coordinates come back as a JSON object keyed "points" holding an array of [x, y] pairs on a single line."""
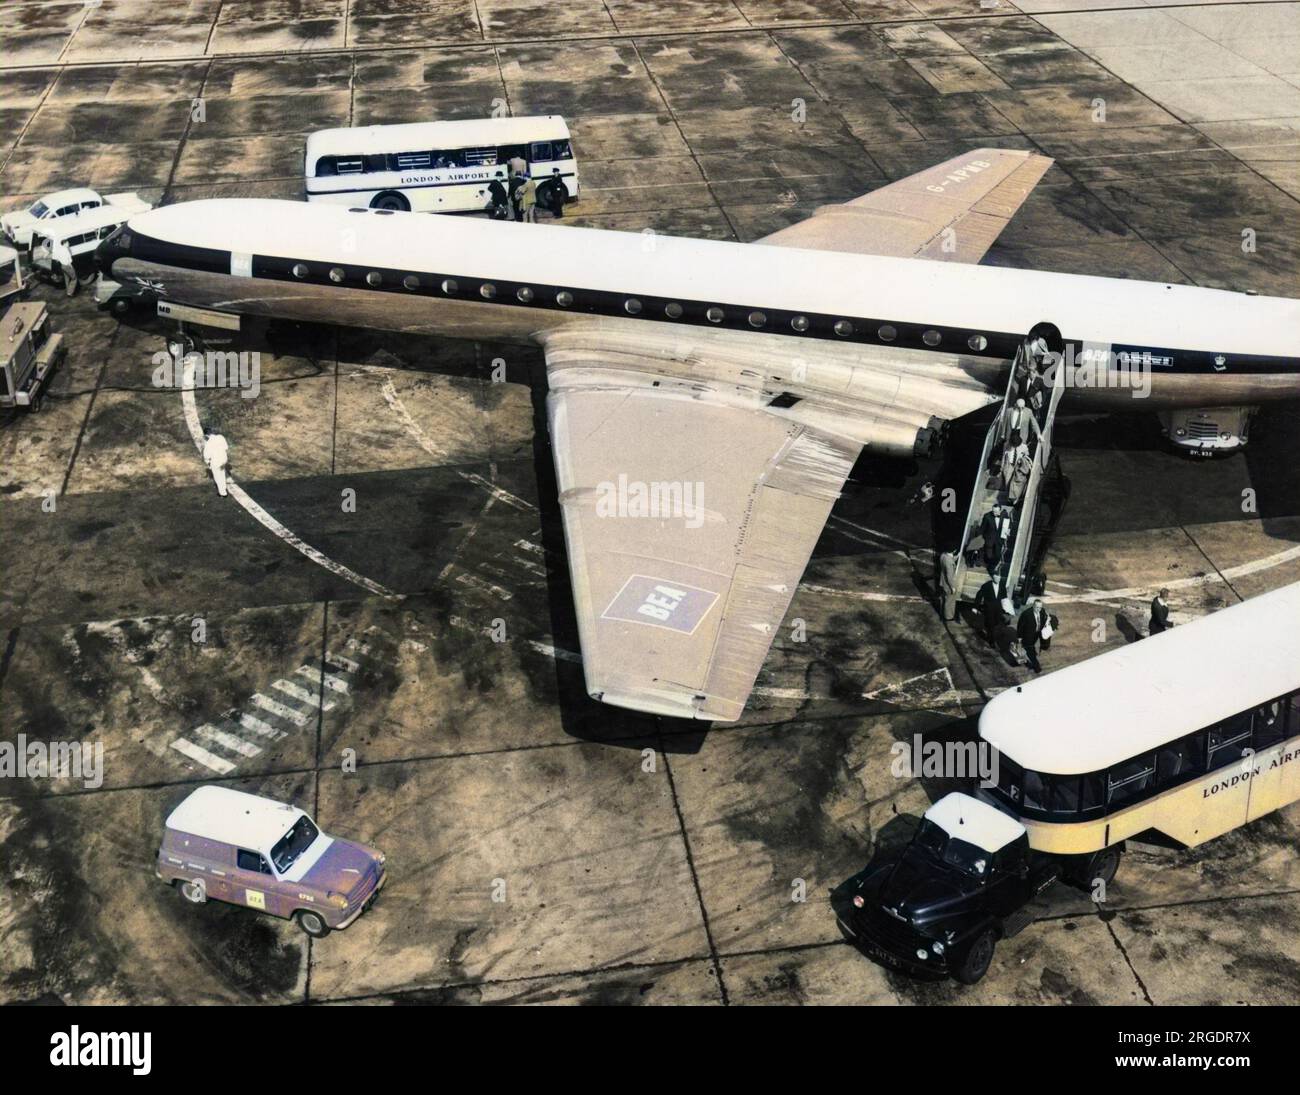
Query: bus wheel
{"points": [[312, 923], [1104, 864], [975, 962], [392, 200]]}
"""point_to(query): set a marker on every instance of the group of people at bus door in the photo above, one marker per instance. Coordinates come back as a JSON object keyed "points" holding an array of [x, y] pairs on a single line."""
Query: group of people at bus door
{"points": [[520, 196]]}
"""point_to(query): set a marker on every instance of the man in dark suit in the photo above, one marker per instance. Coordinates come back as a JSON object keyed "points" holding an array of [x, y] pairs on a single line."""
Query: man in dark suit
{"points": [[1159, 614], [1030, 629], [986, 600]]}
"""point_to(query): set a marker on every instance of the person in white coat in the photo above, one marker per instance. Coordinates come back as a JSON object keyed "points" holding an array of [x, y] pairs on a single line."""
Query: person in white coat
{"points": [[216, 457]]}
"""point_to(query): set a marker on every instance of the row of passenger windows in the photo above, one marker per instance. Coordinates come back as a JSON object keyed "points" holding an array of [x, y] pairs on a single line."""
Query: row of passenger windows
{"points": [[632, 305], [433, 159], [1204, 751]]}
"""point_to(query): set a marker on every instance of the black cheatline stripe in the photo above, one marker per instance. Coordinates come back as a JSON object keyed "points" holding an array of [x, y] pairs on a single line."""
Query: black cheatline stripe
{"points": [[1000, 345]]}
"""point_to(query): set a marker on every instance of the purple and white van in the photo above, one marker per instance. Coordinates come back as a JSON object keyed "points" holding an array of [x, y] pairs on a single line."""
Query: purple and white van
{"points": [[231, 846]]}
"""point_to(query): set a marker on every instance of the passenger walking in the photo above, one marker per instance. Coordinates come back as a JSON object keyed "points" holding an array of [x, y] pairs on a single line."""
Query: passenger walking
{"points": [[528, 202], [1023, 468], [1159, 613], [987, 601], [552, 194], [216, 458], [1015, 448], [947, 566], [1005, 638], [516, 184], [1029, 628], [990, 530], [499, 201]]}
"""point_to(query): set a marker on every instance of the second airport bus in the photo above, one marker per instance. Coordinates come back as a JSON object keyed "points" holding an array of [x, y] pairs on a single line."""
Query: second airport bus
{"points": [[436, 167], [1176, 739]]}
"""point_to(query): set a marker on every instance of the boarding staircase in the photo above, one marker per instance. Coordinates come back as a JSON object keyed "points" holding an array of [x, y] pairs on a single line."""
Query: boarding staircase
{"points": [[1023, 523]]}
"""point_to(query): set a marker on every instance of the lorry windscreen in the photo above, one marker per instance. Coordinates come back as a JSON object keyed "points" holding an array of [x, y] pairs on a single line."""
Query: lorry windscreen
{"points": [[296, 841], [952, 851]]}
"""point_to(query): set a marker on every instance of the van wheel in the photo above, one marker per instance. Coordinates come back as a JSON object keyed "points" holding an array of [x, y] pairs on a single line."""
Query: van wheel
{"points": [[120, 306], [195, 892], [975, 962], [390, 199], [312, 923]]}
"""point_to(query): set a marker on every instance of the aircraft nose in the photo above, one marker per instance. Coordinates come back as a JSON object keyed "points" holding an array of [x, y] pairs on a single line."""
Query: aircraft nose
{"points": [[116, 246]]}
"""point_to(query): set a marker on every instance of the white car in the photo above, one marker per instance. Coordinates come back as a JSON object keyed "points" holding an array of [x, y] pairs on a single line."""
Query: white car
{"points": [[19, 225]]}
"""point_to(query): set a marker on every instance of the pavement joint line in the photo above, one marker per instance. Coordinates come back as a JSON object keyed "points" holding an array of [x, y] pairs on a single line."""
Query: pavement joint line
{"points": [[1123, 950], [1206, 556], [695, 878], [620, 36]]}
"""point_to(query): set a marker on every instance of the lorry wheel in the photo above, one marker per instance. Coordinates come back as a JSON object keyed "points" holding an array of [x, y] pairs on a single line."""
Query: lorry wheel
{"points": [[195, 892], [975, 963], [392, 200], [312, 923]]}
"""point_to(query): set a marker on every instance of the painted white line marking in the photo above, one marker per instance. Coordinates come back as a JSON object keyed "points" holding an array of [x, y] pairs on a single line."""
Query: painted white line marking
{"points": [[227, 741], [427, 443], [528, 545], [257, 726], [333, 683], [554, 651], [202, 756], [301, 694], [279, 709], [485, 587], [865, 595], [915, 686], [258, 513], [342, 662]]}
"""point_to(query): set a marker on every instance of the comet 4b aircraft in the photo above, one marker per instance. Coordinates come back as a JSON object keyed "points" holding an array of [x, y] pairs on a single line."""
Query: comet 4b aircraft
{"points": [[708, 399]]}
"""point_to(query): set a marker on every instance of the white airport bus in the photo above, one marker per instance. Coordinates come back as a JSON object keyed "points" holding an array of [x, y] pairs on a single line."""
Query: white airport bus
{"points": [[1180, 737], [1187, 734], [436, 167]]}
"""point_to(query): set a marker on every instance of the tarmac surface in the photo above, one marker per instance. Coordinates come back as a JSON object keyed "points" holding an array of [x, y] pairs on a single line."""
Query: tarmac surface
{"points": [[543, 847]]}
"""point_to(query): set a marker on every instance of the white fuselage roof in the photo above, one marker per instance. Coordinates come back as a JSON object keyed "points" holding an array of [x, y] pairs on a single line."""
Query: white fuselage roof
{"points": [[1084, 308], [1129, 701], [234, 817], [974, 821]]}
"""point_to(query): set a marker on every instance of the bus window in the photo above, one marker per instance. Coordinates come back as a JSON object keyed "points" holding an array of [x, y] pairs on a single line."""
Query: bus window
{"points": [[561, 150], [346, 167], [1064, 796], [377, 162], [1035, 791], [1129, 781], [1092, 792], [540, 151], [409, 160], [1179, 759], [1270, 724], [1229, 740], [1293, 719], [480, 157]]}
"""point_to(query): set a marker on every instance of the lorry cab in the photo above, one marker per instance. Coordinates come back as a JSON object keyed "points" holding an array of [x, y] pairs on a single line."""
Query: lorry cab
{"points": [[270, 856], [29, 352], [942, 904]]}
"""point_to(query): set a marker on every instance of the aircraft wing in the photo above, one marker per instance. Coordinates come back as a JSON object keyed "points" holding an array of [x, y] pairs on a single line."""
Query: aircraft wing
{"points": [[951, 212], [689, 520]]}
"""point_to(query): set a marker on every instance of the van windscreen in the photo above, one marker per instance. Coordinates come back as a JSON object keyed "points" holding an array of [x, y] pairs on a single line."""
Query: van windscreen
{"points": [[296, 841]]}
